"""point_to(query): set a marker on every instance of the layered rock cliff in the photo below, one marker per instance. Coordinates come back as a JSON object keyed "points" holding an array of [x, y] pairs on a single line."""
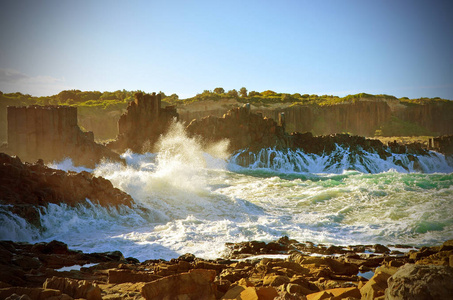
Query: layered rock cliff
{"points": [[247, 130], [51, 133], [360, 117], [143, 123]]}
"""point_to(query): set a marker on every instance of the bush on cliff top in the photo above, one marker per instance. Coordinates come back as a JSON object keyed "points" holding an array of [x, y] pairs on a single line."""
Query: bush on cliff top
{"points": [[398, 127]]}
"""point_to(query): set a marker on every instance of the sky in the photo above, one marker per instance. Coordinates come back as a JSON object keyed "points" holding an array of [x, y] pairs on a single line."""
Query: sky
{"points": [[402, 48]]}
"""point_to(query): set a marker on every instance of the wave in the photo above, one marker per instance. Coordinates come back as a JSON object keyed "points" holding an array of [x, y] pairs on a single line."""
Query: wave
{"points": [[340, 160]]}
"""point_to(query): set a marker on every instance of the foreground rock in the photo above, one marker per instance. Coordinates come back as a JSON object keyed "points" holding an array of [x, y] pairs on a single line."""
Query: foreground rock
{"points": [[32, 270], [29, 186], [412, 282]]}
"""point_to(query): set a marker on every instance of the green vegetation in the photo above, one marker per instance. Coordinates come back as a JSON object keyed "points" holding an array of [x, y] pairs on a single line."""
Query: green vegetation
{"points": [[398, 127], [270, 97], [119, 99]]}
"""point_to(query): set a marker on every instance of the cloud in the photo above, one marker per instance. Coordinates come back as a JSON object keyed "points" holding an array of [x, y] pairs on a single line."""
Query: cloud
{"points": [[10, 76], [43, 85]]}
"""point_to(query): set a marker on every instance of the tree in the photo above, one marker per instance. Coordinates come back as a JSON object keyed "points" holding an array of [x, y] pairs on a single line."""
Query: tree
{"points": [[254, 93], [268, 93], [219, 90], [233, 93], [243, 92]]}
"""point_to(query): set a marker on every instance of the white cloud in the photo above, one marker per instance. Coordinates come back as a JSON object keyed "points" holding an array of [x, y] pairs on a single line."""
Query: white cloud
{"points": [[14, 81]]}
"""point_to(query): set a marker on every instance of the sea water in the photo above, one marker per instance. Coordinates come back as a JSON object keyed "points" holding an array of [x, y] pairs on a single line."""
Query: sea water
{"points": [[194, 199]]}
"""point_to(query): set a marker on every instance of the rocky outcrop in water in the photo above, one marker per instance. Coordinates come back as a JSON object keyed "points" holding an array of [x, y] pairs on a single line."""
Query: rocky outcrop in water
{"points": [[243, 129], [251, 131], [442, 144], [51, 133], [24, 187], [35, 271], [143, 123]]}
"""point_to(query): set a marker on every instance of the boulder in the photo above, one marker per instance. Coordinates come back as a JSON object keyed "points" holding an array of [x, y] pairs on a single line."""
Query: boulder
{"points": [[416, 282]]}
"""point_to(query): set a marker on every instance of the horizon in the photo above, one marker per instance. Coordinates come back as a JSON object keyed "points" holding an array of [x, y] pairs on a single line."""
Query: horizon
{"points": [[402, 48]]}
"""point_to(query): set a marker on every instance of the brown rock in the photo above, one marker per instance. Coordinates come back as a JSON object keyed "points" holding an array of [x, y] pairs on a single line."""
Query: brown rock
{"points": [[74, 288], [375, 287], [266, 293], [122, 276], [413, 282], [196, 284], [33, 185], [275, 280], [320, 296], [341, 293], [337, 267], [33, 293]]}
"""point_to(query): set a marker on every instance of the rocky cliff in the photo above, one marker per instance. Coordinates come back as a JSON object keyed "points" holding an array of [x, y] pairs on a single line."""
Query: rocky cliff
{"points": [[247, 130], [51, 133], [143, 123], [363, 116]]}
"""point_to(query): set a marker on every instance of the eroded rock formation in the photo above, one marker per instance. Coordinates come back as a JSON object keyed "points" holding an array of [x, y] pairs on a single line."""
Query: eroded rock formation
{"points": [[143, 123], [27, 186], [51, 133]]}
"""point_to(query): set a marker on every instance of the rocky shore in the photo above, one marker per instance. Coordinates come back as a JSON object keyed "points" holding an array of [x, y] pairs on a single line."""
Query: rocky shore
{"points": [[25, 188], [282, 269]]}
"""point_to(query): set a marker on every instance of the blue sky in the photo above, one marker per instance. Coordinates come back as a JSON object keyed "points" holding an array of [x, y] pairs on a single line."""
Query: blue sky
{"points": [[397, 47]]}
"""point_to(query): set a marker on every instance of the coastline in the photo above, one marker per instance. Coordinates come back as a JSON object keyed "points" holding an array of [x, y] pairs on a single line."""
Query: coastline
{"points": [[282, 269]]}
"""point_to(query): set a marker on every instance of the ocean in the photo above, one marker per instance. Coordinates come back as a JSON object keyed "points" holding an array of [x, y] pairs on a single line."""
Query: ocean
{"points": [[193, 199]]}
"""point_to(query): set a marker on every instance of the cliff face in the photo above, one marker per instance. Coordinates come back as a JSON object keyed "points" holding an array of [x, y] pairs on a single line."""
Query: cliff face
{"points": [[361, 117], [103, 125], [436, 117], [51, 133], [143, 123]]}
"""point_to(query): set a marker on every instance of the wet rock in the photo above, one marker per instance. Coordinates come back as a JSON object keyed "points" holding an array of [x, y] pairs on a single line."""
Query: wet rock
{"points": [[446, 246], [28, 186], [378, 248], [412, 282]]}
